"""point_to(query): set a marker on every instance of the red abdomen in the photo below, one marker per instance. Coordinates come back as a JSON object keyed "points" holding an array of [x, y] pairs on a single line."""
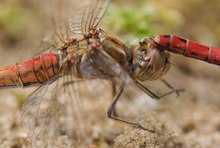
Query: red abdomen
{"points": [[188, 48], [32, 72]]}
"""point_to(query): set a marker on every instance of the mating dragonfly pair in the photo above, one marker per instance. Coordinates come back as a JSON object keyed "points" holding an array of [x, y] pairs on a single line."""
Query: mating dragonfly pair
{"points": [[96, 55]]}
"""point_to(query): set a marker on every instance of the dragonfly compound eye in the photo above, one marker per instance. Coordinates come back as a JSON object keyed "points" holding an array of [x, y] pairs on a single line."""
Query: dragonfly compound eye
{"points": [[145, 42], [152, 66]]}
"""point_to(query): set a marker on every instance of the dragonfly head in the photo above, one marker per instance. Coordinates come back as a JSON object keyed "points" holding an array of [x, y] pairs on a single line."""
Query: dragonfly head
{"points": [[149, 63]]}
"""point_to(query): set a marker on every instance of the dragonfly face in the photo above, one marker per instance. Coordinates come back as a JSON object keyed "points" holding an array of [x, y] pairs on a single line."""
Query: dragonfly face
{"points": [[149, 63]]}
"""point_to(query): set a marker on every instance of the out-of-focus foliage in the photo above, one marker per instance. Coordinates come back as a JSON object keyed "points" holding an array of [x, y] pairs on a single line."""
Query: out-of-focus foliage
{"points": [[140, 19], [12, 23], [10, 17], [128, 22], [16, 25]]}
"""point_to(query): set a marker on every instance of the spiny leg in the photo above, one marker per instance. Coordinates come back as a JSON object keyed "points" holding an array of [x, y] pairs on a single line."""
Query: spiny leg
{"points": [[111, 110]]}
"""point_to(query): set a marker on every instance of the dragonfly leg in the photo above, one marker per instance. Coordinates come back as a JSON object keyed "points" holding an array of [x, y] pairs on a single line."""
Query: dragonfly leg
{"points": [[156, 97], [111, 111], [113, 88], [147, 91], [113, 95], [173, 90]]}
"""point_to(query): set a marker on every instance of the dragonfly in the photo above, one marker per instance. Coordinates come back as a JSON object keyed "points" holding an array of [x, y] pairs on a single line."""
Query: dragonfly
{"points": [[185, 47], [96, 54]]}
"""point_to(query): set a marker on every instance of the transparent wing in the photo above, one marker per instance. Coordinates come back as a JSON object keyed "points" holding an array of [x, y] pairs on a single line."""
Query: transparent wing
{"points": [[52, 19], [61, 108], [60, 19], [72, 108], [133, 102], [57, 27], [88, 15], [36, 109], [83, 106], [53, 110]]}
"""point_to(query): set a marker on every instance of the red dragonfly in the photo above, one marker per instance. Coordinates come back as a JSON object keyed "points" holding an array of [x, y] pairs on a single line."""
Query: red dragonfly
{"points": [[185, 47], [95, 55]]}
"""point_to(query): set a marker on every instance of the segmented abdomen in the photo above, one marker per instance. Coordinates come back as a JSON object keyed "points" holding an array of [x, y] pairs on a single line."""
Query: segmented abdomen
{"points": [[188, 48], [32, 72]]}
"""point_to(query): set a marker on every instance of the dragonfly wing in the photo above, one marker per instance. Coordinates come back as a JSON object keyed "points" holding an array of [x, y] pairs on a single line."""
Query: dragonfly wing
{"points": [[36, 110], [88, 15], [103, 66], [54, 110], [58, 19]]}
